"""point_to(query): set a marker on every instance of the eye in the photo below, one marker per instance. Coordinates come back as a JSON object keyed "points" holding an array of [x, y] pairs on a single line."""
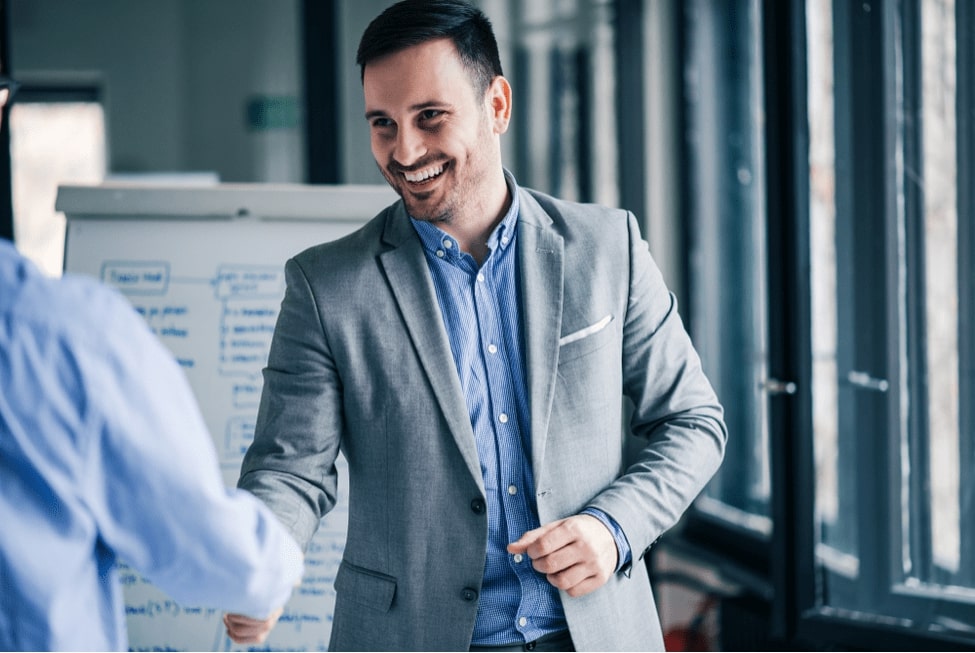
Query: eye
{"points": [[430, 114], [381, 123]]}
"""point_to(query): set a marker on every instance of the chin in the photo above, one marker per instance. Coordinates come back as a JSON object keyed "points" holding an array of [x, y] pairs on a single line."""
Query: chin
{"points": [[426, 214]]}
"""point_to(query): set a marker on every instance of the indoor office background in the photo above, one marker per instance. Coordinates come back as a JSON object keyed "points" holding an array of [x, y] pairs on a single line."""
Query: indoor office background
{"points": [[803, 171]]}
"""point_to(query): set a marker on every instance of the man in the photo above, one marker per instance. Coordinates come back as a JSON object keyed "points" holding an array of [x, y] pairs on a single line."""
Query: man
{"points": [[469, 351], [104, 455]]}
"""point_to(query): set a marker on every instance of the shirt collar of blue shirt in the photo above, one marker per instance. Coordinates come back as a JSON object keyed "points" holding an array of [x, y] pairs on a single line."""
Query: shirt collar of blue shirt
{"points": [[434, 238]]}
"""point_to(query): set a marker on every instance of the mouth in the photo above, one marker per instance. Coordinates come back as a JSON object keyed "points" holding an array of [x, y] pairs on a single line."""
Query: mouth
{"points": [[424, 175]]}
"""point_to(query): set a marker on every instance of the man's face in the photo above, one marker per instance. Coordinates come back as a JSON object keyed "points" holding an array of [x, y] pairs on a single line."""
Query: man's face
{"points": [[434, 137]]}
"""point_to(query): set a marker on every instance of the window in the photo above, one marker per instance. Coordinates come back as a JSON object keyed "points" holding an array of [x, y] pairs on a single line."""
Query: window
{"points": [[890, 116], [57, 136], [725, 208], [830, 147], [564, 87]]}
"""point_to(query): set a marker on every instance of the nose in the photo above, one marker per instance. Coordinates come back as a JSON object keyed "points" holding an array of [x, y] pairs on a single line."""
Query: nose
{"points": [[409, 147]]}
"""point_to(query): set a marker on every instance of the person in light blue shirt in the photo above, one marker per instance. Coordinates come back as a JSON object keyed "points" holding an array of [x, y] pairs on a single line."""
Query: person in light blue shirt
{"points": [[104, 455]]}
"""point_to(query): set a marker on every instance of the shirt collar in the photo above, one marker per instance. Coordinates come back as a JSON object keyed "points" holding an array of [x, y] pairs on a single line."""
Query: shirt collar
{"points": [[438, 242]]}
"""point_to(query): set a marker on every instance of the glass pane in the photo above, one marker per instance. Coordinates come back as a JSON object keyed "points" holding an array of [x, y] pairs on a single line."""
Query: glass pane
{"points": [[892, 522], [837, 536], [51, 144], [726, 208], [941, 286], [565, 70]]}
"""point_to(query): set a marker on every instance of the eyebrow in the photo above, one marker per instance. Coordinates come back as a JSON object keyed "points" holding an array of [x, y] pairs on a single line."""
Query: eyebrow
{"points": [[429, 104]]}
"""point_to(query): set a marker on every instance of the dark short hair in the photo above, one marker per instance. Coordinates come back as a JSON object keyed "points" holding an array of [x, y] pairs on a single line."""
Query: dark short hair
{"points": [[412, 22]]}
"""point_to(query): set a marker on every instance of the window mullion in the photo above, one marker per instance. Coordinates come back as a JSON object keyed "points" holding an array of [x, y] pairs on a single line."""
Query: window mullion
{"points": [[913, 521], [965, 116], [866, 243]]}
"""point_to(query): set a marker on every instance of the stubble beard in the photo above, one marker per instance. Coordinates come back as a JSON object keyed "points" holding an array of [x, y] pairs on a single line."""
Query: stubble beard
{"points": [[464, 196], [413, 206]]}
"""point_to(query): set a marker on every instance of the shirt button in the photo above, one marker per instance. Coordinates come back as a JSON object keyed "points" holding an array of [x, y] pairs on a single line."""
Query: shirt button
{"points": [[522, 621], [440, 253], [504, 240], [448, 244], [477, 505], [493, 349], [519, 558], [468, 594], [512, 490], [503, 418], [480, 277]]}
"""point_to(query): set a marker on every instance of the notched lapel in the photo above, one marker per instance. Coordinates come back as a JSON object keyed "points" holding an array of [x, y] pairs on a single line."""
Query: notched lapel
{"points": [[541, 259], [409, 278]]}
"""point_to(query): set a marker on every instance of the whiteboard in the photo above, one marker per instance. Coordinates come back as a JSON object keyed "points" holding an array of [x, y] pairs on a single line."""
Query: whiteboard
{"points": [[205, 268]]}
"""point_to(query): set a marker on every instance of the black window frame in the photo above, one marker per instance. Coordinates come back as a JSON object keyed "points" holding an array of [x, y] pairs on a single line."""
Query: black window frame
{"points": [[871, 41], [867, 133], [965, 123], [6, 192]]}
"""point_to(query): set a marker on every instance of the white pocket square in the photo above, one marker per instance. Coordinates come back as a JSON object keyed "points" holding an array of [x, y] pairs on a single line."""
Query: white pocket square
{"points": [[587, 331]]}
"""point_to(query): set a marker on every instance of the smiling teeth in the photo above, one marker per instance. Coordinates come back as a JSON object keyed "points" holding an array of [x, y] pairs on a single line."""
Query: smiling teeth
{"points": [[423, 175]]}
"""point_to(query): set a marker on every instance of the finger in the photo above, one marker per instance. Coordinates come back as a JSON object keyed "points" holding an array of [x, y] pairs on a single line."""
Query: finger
{"points": [[239, 619], [531, 537], [569, 577], [566, 539], [558, 560], [239, 637], [579, 579], [585, 586], [247, 630], [248, 635], [240, 629]]}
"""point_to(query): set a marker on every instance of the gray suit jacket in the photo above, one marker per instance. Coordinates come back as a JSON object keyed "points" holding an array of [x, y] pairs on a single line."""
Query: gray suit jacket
{"points": [[360, 361]]}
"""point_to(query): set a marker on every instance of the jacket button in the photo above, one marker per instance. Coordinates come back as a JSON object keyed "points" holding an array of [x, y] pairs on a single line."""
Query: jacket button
{"points": [[468, 594], [477, 505]]}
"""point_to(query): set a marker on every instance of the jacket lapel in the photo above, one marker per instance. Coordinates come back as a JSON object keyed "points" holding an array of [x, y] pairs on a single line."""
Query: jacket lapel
{"points": [[409, 277], [541, 262]]}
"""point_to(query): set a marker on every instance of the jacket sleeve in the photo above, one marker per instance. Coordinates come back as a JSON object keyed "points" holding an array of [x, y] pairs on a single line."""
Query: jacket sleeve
{"points": [[291, 463], [675, 410]]}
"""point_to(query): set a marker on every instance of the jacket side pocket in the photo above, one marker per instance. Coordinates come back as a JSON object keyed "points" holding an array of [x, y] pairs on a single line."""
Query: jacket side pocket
{"points": [[369, 589]]}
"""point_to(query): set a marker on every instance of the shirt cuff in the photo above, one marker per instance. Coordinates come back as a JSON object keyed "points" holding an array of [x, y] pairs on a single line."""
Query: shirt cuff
{"points": [[622, 546]]}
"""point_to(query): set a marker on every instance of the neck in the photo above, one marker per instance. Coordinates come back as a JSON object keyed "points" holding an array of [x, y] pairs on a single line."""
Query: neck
{"points": [[472, 230]]}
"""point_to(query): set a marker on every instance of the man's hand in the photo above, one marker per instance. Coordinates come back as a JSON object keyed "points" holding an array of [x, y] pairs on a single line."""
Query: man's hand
{"points": [[247, 630], [577, 554]]}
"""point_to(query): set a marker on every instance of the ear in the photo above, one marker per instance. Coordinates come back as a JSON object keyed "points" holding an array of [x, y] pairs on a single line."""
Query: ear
{"points": [[498, 98]]}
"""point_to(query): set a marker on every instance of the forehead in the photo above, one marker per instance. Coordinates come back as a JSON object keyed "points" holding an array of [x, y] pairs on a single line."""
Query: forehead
{"points": [[429, 72]]}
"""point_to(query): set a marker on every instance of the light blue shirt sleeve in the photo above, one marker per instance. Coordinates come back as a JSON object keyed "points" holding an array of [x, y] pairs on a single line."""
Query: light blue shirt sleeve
{"points": [[104, 455], [156, 489]]}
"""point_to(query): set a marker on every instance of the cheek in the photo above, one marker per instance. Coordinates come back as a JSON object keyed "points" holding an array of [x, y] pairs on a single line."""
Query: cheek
{"points": [[380, 147]]}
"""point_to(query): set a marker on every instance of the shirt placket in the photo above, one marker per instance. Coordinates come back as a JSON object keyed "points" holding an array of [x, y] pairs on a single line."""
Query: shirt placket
{"points": [[510, 472]]}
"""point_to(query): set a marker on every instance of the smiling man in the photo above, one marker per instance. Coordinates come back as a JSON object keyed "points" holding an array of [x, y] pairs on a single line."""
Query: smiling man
{"points": [[469, 350]]}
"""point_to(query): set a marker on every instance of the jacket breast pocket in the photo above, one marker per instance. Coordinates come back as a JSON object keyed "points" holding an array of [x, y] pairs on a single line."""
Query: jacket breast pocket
{"points": [[369, 589], [589, 338]]}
